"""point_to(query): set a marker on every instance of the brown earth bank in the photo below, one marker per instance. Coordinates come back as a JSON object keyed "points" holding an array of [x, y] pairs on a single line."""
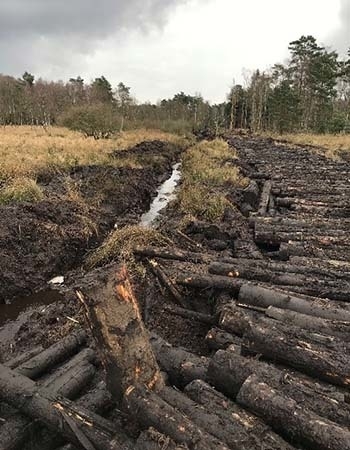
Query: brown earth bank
{"points": [[44, 239], [246, 323]]}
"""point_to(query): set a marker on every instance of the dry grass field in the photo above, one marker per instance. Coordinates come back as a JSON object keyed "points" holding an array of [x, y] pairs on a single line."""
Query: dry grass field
{"points": [[25, 150], [334, 144]]}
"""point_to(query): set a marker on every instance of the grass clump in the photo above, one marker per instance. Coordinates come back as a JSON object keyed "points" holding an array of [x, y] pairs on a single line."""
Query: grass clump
{"points": [[121, 243], [209, 174], [21, 189]]}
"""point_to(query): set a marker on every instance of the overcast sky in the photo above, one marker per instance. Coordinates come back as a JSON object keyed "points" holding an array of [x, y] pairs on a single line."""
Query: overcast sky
{"points": [[159, 47]]}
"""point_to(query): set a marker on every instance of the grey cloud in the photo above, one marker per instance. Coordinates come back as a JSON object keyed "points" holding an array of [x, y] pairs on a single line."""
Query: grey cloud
{"points": [[84, 18], [45, 35]]}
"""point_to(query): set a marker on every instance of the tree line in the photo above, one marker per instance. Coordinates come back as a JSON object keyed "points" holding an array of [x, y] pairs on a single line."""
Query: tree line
{"points": [[310, 92]]}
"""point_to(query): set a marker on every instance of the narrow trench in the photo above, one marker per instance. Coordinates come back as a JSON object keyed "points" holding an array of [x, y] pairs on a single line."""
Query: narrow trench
{"points": [[14, 314]]}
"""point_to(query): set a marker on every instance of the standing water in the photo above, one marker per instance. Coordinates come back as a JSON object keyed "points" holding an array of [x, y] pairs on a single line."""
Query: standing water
{"points": [[165, 193]]}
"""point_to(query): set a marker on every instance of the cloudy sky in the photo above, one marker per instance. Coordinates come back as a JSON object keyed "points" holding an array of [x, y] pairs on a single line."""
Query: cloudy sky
{"points": [[159, 47]]}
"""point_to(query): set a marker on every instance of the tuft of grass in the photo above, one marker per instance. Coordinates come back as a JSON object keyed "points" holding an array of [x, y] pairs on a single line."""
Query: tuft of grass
{"points": [[22, 189], [120, 245], [209, 173]]}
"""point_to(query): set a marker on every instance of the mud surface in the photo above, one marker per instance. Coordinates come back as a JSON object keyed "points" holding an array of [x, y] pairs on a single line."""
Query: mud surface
{"points": [[42, 240]]}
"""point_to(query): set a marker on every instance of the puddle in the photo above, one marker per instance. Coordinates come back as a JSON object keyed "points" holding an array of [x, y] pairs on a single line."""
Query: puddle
{"points": [[165, 193], [15, 314]]}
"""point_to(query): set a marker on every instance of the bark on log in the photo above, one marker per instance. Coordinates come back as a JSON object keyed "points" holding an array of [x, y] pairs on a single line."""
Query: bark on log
{"points": [[217, 339], [152, 411], [79, 426], [180, 365], [121, 338], [264, 297], [338, 329], [284, 415], [320, 356], [247, 431], [52, 355], [209, 282], [151, 439]]}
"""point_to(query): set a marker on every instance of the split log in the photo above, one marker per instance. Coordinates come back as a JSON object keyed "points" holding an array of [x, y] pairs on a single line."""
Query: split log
{"points": [[209, 282], [151, 439], [166, 282], [287, 417], [180, 365], [245, 429], [227, 372], [121, 339], [217, 339], [97, 401], [265, 197], [53, 355], [320, 356], [79, 426], [329, 327], [190, 314], [152, 411], [264, 297], [173, 254]]}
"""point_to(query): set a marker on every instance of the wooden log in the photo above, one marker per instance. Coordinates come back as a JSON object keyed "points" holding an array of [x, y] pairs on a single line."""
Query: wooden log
{"points": [[329, 327], [325, 240], [73, 380], [245, 268], [190, 314], [265, 197], [287, 417], [67, 381], [79, 426], [166, 282], [121, 338], [236, 320], [180, 365], [209, 282], [320, 356], [172, 254], [229, 430], [227, 372], [217, 339], [246, 430], [292, 248], [152, 411], [53, 355], [24, 357], [151, 439], [263, 297]]}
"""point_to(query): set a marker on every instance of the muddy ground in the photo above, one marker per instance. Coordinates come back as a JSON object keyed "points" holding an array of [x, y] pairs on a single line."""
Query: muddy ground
{"points": [[54, 238], [45, 239]]}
